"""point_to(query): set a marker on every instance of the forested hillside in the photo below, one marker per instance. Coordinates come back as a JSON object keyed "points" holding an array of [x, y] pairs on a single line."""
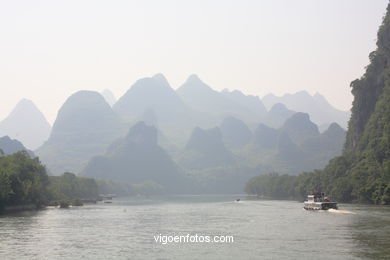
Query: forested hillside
{"points": [[24, 184], [23, 181], [362, 173]]}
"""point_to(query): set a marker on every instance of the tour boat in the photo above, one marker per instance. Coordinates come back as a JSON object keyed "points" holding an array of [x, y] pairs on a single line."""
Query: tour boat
{"points": [[318, 201]]}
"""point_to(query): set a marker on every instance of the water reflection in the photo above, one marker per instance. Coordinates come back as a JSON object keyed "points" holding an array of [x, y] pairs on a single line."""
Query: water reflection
{"points": [[371, 232], [261, 229]]}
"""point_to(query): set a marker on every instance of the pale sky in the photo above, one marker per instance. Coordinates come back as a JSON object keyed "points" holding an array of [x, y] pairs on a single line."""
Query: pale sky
{"points": [[51, 49]]}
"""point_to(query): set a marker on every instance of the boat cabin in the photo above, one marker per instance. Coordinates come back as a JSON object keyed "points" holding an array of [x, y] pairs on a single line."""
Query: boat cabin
{"points": [[318, 201]]}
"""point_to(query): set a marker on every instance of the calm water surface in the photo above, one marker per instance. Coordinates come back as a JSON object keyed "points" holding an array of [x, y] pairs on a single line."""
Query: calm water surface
{"points": [[263, 229]]}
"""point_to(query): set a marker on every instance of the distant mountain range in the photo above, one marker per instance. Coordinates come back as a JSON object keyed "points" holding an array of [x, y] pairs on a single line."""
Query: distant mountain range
{"points": [[294, 147], [27, 124], [194, 138], [11, 146], [154, 94], [152, 98], [319, 109], [200, 97], [361, 173], [299, 127], [235, 133], [205, 149], [137, 158], [277, 115], [84, 127], [109, 97]]}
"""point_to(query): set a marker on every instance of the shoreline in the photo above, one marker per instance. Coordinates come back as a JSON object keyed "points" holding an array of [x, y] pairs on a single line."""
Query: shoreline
{"points": [[19, 208]]}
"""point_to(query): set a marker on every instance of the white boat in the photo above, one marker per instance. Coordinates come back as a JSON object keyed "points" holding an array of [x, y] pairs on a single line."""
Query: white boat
{"points": [[318, 201]]}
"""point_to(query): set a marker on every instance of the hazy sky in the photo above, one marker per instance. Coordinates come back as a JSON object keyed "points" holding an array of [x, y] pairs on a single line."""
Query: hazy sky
{"points": [[50, 49]]}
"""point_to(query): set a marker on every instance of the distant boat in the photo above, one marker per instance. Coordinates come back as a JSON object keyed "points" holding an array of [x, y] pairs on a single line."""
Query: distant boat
{"points": [[318, 201], [107, 201], [238, 200], [106, 196]]}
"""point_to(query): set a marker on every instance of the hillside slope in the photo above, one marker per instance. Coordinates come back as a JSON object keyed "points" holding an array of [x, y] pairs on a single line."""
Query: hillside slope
{"points": [[27, 124], [84, 127], [362, 173]]}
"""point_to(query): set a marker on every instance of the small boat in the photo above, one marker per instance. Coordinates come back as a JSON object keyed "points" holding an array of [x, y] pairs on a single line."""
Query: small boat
{"points": [[318, 201], [106, 196], [107, 201]]}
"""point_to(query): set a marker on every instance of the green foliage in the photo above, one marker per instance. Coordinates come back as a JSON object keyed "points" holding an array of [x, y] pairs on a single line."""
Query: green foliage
{"points": [[77, 202], [69, 186], [362, 173], [64, 204], [272, 185], [22, 181], [5, 188]]}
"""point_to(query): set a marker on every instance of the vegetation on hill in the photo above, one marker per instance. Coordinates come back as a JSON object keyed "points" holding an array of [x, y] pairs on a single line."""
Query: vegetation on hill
{"points": [[70, 187], [362, 173], [88, 132], [23, 181]]}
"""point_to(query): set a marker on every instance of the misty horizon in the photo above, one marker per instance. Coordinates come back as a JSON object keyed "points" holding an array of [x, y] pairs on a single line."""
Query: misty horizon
{"points": [[270, 47], [197, 129], [111, 102]]}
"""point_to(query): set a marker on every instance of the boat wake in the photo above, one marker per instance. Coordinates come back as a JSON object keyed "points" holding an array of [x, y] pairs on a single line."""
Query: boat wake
{"points": [[339, 211]]}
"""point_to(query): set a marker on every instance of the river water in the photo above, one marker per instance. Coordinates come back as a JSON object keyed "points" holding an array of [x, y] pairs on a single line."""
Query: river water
{"points": [[262, 229]]}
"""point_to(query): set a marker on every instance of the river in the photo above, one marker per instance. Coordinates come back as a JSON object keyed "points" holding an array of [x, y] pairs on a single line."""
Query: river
{"points": [[262, 229]]}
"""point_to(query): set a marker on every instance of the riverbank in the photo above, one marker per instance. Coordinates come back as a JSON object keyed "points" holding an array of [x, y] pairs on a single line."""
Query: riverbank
{"points": [[267, 229], [31, 207], [18, 208]]}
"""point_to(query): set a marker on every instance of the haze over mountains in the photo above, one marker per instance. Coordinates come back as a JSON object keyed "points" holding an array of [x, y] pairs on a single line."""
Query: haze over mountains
{"points": [[137, 158], [154, 97], [153, 93], [295, 147], [205, 149], [361, 174], [109, 96], [317, 106], [208, 140], [277, 115], [11, 146], [200, 97], [235, 133], [84, 127], [299, 127], [27, 124]]}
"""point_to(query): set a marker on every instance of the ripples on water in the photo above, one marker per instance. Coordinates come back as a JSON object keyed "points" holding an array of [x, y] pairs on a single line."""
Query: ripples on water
{"points": [[262, 229]]}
